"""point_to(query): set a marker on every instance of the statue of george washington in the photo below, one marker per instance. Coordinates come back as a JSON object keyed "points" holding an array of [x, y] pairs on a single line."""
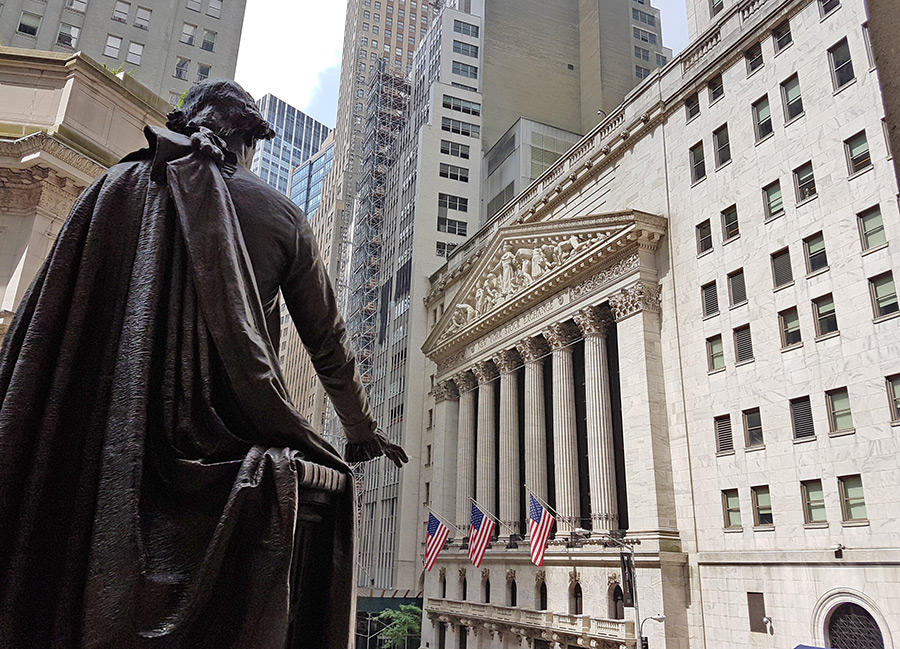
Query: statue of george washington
{"points": [[157, 487]]}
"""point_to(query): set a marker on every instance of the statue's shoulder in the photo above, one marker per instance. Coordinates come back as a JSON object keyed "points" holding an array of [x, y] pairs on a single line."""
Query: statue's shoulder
{"points": [[249, 191]]}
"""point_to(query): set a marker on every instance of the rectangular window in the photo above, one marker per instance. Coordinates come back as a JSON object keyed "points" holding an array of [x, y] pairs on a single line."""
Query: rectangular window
{"points": [[661, 60], [698, 166], [789, 323], [454, 173], [724, 439], [716, 88], [884, 294], [455, 149], [451, 202], [853, 504], [188, 33], [841, 64], [462, 105], [743, 344], [781, 34], [214, 9], [736, 287], [142, 18], [465, 49], [731, 508], [113, 44], [773, 203], [814, 248], [120, 12], [722, 144], [193, 5], [893, 388], [443, 249], [839, 416], [791, 98], [801, 418], [857, 150], [203, 71], [710, 299], [644, 36], [754, 58], [782, 274], [804, 182], [181, 68], [827, 6], [465, 70], [715, 6], [762, 118], [825, 314], [451, 226], [76, 5], [209, 41], [762, 506], [135, 51], [462, 128], [756, 610], [29, 24], [813, 497], [871, 228], [641, 72], [68, 35], [704, 237], [715, 354], [641, 53], [870, 55], [465, 28], [753, 430], [643, 17], [730, 226], [692, 106]]}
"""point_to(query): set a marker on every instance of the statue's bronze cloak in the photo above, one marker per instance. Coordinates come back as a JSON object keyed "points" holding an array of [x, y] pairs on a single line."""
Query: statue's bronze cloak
{"points": [[148, 451]]}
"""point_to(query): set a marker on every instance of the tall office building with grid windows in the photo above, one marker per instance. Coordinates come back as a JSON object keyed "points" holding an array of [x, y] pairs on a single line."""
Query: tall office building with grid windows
{"points": [[166, 48]]}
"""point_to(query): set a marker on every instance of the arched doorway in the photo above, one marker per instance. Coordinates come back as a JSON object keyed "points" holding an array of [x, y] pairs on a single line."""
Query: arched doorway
{"points": [[616, 603], [577, 604], [850, 626], [541, 596]]}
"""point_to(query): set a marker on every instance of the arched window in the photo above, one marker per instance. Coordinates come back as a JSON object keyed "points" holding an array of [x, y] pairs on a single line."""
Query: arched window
{"points": [[577, 603], [616, 603], [487, 591], [443, 587], [462, 589], [542, 596], [512, 595], [850, 626]]}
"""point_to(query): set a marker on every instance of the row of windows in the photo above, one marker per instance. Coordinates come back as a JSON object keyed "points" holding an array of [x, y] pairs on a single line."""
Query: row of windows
{"points": [[114, 45], [451, 226], [812, 500], [462, 128], [882, 291], [837, 406], [465, 70], [462, 105], [122, 10], [643, 54], [643, 16], [454, 173], [451, 202], [455, 149], [442, 249], [465, 29], [466, 49], [189, 34], [644, 36], [182, 69]]}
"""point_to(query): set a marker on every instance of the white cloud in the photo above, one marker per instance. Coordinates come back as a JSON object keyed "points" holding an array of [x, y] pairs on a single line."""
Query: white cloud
{"points": [[285, 44]]}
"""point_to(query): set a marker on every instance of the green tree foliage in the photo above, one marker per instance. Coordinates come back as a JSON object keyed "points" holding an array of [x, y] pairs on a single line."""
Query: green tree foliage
{"points": [[400, 623]]}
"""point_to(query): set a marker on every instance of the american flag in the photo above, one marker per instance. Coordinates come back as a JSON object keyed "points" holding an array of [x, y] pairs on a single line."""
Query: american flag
{"points": [[480, 535], [540, 522], [437, 534]]}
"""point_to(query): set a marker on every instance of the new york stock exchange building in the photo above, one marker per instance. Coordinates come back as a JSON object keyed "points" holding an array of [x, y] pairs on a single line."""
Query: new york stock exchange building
{"points": [[683, 338]]}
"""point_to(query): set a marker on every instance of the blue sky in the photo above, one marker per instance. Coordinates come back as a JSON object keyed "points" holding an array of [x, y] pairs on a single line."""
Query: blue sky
{"points": [[297, 57]]}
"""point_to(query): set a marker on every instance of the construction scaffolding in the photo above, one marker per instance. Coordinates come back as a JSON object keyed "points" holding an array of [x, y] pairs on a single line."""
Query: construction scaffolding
{"points": [[388, 96]]}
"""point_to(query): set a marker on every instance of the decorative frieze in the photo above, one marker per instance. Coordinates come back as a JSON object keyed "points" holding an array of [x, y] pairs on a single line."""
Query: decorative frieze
{"points": [[606, 277], [634, 299]]}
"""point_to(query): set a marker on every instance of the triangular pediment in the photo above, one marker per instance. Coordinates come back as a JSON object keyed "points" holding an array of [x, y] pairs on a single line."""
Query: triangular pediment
{"points": [[525, 263]]}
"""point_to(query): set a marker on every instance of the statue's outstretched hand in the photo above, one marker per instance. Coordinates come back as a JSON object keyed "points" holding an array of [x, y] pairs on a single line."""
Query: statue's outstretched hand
{"points": [[393, 452]]}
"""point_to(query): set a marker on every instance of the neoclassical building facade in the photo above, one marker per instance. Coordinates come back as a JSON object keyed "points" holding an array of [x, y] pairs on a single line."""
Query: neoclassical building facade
{"points": [[684, 336]]}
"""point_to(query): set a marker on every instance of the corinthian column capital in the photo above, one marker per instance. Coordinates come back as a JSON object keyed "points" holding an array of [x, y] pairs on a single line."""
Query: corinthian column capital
{"points": [[560, 335], [485, 371], [507, 361], [591, 321]]}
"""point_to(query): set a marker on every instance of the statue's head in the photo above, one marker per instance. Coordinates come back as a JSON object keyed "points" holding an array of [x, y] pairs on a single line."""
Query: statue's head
{"points": [[223, 107]]}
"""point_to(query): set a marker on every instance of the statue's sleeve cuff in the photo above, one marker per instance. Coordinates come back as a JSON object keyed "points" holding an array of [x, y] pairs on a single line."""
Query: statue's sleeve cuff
{"points": [[367, 450]]}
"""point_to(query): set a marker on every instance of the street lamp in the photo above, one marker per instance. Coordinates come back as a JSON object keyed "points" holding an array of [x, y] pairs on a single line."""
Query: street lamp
{"points": [[643, 641]]}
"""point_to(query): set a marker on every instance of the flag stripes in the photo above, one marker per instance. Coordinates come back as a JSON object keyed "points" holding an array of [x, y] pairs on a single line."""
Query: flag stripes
{"points": [[540, 522], [437, 535], [479, 535]]}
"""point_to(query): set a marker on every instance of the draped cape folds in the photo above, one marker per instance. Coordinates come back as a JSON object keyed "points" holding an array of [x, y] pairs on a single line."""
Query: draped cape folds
{"points": [[150, 459]]}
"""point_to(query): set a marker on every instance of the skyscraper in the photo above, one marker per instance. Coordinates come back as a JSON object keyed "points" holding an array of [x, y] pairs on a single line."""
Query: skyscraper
{"points": [[165, 48], [297, 137]]}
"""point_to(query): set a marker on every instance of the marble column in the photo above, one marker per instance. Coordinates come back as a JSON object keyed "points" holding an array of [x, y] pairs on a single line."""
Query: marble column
{"points": [[445, 448], [465, 469], [532, 351], [598, 401], [486, 459], [561, 336], [508, 362]]}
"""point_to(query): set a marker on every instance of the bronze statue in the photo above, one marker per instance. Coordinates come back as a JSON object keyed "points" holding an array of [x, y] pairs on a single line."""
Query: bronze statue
{"points": [[157, 487]]}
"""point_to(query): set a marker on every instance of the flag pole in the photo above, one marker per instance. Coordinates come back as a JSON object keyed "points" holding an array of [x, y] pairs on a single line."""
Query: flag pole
{"points": [[541, 501], [444, 520]]}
